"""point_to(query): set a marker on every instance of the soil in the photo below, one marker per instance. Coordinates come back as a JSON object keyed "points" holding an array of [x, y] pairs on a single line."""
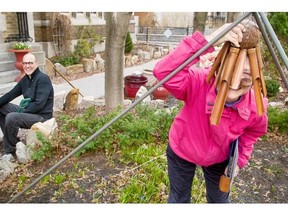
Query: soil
{"points": [[263, 180]]}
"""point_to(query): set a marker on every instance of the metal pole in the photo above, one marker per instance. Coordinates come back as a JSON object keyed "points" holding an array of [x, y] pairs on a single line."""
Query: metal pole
{"points": [[198, 53], [269, 45]]}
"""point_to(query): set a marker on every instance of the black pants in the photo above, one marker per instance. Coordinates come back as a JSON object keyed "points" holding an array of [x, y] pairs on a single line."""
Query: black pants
{"points": [[181, 174], [11, 121]]}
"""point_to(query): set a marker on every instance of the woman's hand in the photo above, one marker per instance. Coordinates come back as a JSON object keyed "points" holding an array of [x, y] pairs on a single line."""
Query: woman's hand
{"points": [[235, 35]]}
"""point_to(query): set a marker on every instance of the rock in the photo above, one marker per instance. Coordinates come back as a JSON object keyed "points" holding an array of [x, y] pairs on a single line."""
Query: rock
{"points": [[60, 68], [128, 61], [74, 69], [134, 59], [88, 65], [100, 62], [165, 51], [100, 102], [157, 54], [6, 168], [127, 103], [47, 128], [147, 55], [87, 101], [142, 90], [22, 153], [59, 100], [276, 104]]}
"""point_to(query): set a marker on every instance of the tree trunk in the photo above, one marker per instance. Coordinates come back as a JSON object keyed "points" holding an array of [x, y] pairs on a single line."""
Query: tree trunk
{"points": [[199, 21], [116, 30], [232, 16]]}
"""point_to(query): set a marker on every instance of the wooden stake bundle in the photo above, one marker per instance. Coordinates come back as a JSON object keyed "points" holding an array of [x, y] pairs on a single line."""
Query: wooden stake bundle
{"points": [[256, 80], [228, 68], [238, 69], [224, 86], [260, 66], [218, 60]]}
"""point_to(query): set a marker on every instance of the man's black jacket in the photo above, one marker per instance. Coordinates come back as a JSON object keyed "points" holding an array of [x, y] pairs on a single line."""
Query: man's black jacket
{"points": [[39, 88]]}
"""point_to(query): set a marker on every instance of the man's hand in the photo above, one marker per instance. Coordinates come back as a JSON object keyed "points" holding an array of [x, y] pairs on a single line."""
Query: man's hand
{"points": [[235, 35]]}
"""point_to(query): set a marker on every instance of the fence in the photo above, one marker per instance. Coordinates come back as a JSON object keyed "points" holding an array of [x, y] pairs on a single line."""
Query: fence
{"points": [[161, 34]]}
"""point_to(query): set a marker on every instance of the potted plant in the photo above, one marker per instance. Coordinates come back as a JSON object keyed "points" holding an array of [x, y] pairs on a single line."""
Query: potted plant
{"points": [[20, 49]]}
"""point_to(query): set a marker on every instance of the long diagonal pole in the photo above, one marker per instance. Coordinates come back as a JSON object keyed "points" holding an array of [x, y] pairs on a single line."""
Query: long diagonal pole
{"points": [[197, 54]]}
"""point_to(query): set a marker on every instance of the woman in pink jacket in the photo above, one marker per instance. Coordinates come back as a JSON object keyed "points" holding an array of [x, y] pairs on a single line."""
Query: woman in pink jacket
{"points": [[192, 139]]}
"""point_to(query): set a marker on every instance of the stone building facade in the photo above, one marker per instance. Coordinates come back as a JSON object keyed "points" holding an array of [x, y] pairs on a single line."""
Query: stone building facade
{"points": [[41, 38]]}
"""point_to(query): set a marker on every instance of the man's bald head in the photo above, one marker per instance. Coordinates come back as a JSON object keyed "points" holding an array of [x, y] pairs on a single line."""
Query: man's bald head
{"points": [[29, 63], [29, 57]]}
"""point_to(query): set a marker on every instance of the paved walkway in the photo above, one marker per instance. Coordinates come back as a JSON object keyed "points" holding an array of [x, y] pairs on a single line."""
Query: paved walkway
{"points": [[93, 85]]}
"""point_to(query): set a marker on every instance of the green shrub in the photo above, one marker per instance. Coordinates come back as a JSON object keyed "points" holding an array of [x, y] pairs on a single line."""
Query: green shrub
{"points": [[128, 43], [87, 40], [83, 48], [45, 150], [272, 87], [66, 60], [277, 120], [279, 23]]}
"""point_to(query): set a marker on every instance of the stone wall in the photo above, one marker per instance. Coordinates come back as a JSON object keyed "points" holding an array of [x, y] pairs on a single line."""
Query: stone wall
{"points": [[42, 26], [11, 24]]}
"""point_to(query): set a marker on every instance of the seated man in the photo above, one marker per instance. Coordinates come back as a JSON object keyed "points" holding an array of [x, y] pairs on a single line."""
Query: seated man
{"points": [[37, 105]]}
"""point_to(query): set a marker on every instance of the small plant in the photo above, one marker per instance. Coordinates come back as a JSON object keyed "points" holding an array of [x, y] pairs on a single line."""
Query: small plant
{"points": [[44, 150], [277, 120], [87, 40], [83, 48], [66, 60], [128, 43], [272, 88], [21, 46], [59, 178]]}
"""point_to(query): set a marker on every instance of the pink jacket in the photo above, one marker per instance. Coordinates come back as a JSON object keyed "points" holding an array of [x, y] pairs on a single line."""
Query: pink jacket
{"points": [[191, 136]]}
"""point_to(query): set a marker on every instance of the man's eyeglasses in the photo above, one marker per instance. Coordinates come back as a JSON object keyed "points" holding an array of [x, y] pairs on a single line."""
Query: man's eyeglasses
{"points": [[27, 63]]}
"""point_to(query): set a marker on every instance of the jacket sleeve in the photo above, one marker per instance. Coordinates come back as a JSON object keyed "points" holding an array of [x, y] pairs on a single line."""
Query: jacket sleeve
{"points": [[11, 95], [250, 137], [186, 48]]}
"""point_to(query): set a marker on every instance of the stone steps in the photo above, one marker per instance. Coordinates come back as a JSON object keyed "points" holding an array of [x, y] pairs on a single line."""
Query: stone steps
{"points": [[6, 87], [8, 71], [8, 76]]}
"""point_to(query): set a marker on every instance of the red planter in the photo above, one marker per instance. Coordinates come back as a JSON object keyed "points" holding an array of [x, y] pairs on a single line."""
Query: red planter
{"points": [[19, 58], [133, 83], [161, 93]]}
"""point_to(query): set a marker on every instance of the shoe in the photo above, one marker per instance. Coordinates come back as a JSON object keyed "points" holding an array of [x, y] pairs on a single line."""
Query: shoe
{"points": [[8, 157]]}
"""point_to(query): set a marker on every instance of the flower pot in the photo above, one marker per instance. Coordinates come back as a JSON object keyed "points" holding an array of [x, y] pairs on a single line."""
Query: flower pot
{"points": [[132, 84], [18, 64], [161, 93]]}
